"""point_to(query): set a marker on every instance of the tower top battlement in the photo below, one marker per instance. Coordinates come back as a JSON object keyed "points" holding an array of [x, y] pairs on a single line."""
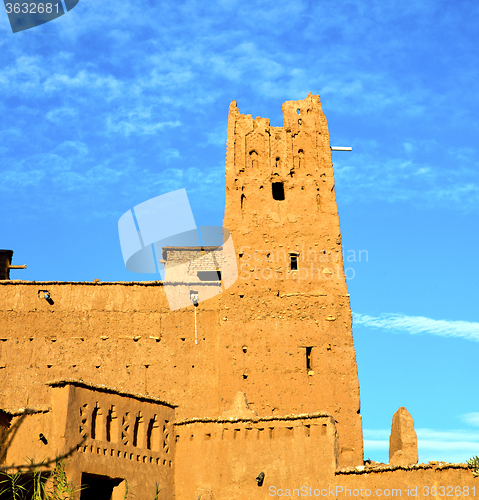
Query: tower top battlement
{"points": [[280, 188]]}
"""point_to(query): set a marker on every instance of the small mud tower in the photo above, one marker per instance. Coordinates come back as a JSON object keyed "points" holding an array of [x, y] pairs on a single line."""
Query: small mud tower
{"points": [[286, 337]]}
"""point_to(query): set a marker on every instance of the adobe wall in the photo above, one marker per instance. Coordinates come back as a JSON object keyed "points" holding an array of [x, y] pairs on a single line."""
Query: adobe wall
{"points": [[101, 432], [280, 335], [22, 442], [120, 335], [222, 458], [449, 481]]}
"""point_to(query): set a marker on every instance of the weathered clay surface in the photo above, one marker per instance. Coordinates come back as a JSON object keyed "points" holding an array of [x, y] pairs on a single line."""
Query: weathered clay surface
{"points": [[98, 431], [134, 374], [240, 408], [403, 439], [280, 335]]}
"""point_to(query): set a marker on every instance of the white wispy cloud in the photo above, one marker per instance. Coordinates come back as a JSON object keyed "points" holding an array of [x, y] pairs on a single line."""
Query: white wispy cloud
{"points": [[471, 418], [420, 325], [84, 80], [367, 177], [217, 137], [137, 122], [59, 115]]}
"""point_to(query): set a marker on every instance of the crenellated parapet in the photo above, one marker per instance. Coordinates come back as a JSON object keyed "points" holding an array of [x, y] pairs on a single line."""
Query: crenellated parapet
{"points": [[225, 456], [98, 431]]}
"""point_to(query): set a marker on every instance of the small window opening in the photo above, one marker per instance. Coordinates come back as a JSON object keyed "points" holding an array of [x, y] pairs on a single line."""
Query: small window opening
{"points": [[153, 435], [243, 198], [94, 421], [309, 366], [138, 431], [209, 275], [298, 111], [111, 425], [254, 159], [293, 260], [278, 191]]}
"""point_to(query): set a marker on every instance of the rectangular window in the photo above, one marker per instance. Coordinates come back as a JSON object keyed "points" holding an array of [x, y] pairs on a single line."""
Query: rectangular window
{"points": [[278, 191], [293, 261], [209, 275], [309, 366]]}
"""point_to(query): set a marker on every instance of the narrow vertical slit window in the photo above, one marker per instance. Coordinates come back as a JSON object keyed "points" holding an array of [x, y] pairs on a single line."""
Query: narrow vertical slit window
{"points": [[111, 425], [94, 422], [153, 435], [254, 159], [309, 365], [293, 261], [138, 431]]}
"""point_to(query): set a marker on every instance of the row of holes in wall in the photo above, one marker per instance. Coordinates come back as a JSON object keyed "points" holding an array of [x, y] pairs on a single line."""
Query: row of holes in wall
{"points": [[260, 433], [309, 364], [123, 454], [308, 361], [254, 160], [277, 190], [293, 259], [151, 436]]}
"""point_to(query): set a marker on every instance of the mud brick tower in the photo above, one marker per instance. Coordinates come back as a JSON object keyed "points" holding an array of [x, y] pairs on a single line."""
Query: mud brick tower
{"points": [[199, 401], [287, 327]]}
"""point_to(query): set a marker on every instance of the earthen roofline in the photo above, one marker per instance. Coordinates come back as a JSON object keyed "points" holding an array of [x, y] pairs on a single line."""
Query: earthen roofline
{"points": [[387, 468], [223, 420], [110, 390]]}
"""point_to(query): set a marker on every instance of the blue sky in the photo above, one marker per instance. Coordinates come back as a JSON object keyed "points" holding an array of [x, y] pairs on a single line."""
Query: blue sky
{"points": [[117, 102]]}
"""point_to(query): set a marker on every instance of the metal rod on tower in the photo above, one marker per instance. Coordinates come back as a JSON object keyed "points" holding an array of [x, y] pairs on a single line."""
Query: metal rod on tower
{"points": [[341, 148]]}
